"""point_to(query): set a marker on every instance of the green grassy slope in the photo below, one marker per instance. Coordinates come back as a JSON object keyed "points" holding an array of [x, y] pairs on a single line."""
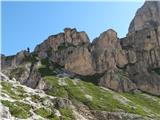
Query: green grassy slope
{"points": [[97, 98]]}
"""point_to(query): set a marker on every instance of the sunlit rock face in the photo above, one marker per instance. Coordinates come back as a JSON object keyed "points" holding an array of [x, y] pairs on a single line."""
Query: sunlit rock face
{"points": [[148, 16], [110, 59], [142, 46], [107, 52], [69, 49], [124, 64]]}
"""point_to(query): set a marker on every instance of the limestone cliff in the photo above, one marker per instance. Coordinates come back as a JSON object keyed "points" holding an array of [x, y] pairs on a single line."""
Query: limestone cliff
{"points": [[125, 64], [148, 16], [76, 79], [142, 46]]}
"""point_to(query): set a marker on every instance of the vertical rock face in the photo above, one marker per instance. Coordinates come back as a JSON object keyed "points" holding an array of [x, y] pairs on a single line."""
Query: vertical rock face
{"points": [[69, 49], [107, 52], [109, 58], [69, 38], [147, 16], [15, 66], [142, 46], [14, 60], [104, 55], [123, 65], [80, 61]]}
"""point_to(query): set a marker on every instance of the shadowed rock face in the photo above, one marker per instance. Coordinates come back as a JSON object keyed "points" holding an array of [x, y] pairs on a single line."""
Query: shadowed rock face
{"points": [[127, 64]]}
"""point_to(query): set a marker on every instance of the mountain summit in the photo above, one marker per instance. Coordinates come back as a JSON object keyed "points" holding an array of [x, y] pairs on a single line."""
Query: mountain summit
{"points": [[147, 16], [90, 75]]}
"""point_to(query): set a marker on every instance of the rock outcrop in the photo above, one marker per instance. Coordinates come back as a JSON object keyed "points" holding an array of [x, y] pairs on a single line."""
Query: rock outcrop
{"points": [[61, 68], [107, 52], [103, 56], [142, 46], [14, 60], [122, 65], [73, 99], [109, 58], [116, 116], [68, 49], [148, 16]]}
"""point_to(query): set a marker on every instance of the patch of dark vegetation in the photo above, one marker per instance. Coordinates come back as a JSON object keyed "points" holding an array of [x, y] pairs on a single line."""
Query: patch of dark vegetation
{"points": [[45, 62], [135, 74], [49, 52], [125, 66], [7, 58], [148, 36], [91, 78], [157, 70], [145, 92], [43, 112], [63, 46], [67, 114], [45, 69], [32, 57], [142, 100], [127, 47], [17, 72]]}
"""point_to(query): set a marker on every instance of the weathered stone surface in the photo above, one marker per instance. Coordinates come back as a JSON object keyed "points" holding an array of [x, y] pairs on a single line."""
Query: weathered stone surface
{"points": [[42, 85], [61, 102], [80, 61], [142, 47], [68, 49], [14, 60], [131, 56], [117, 80], [74, 37], [129, 64], [137, 55], [103, 115], [22, 68], [21, 72], [147, 16], [34, 77], [70, 37], [108, 57], [107, 52], [4, 112]]}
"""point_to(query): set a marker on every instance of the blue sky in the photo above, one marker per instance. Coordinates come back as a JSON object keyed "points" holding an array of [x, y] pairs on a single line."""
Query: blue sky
{"points": [[26, 24]]}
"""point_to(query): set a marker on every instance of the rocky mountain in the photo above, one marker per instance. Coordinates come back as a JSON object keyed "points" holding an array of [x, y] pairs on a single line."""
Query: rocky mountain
{"points": [[68, 98], [142, 46], [109, 78]]}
